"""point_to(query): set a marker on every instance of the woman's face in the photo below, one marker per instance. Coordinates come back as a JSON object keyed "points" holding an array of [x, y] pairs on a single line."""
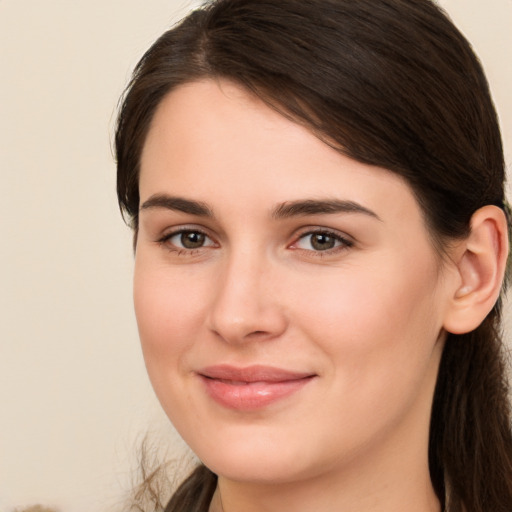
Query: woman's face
{"points": [[289, 301]]}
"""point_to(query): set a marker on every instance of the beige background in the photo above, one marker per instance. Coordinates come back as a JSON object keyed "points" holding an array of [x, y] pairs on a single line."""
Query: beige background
{"points": [[74, 397]]}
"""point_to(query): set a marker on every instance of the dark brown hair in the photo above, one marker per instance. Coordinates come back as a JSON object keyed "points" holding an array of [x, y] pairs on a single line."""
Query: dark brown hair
{"points": [[387, 82]]}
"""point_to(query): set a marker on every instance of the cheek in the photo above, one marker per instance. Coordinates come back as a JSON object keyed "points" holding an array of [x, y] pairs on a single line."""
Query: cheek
{"points": [[377, 333], [168, 312], [374, 321], [167, 308]]}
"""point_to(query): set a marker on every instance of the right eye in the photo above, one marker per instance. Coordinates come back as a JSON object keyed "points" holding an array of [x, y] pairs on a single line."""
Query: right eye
{"points": [[187, 240]]}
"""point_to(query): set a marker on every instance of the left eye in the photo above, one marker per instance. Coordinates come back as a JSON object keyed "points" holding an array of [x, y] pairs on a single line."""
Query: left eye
{"points": [[321, 241], [189, 239]]}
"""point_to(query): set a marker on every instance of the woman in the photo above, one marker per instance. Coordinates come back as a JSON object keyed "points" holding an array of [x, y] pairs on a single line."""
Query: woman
{"points": [[316, 193]]}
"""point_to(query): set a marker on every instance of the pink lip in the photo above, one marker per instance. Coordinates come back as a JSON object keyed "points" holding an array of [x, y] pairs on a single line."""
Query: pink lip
{"points": [[253, 387]]}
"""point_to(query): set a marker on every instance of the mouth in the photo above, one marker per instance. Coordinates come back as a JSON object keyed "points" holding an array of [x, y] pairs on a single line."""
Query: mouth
{"points": [[253, 387]]}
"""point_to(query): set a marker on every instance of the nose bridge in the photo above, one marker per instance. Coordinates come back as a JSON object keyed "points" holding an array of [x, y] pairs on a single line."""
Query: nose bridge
{"points": [[244, 306]]}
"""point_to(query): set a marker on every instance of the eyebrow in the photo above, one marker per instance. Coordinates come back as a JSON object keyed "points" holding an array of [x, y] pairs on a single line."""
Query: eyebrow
{"points": [[306, 207], [179, 204], [299, 208]]}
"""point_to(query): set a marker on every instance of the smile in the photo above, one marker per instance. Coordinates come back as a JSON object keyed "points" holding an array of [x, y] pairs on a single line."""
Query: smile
{"points": [[253, 387]]}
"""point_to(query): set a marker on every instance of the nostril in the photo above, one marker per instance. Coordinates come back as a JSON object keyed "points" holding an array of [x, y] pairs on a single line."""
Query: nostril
{"points": [[256, 334]]}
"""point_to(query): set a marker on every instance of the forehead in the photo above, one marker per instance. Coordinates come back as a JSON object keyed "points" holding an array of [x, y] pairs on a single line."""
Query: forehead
{"points": [[221, 144]]}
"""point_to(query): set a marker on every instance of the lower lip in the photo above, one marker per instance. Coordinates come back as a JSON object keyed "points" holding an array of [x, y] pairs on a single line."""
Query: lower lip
{"points": [[253, 395]]}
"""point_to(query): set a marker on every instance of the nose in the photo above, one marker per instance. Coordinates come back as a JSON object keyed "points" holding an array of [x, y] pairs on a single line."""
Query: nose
{"points": [[245, 303]]}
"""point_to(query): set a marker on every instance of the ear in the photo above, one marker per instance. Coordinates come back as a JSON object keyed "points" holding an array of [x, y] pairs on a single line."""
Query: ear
{"points": [[480, 266]]}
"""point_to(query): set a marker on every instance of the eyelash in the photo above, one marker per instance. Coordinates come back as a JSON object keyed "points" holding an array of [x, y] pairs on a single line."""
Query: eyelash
{"points": [[184, 251], [344, 242]]}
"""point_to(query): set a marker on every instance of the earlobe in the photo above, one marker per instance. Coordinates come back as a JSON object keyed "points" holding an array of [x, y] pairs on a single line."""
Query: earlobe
{"points": [[480, 265]]}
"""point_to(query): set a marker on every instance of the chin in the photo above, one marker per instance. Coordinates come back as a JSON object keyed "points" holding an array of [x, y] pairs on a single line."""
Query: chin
{"points": [[257, 471], [262, 460]]}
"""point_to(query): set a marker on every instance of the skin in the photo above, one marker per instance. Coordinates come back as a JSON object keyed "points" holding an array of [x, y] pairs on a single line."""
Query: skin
{"points": [[365, 316]]}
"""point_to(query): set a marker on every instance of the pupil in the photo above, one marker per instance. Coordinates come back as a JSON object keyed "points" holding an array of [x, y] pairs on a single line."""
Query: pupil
{"points": [[192, 240], [322, 242]]}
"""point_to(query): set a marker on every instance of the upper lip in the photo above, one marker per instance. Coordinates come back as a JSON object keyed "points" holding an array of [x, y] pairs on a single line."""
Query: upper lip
{"points": [[254, 373]]}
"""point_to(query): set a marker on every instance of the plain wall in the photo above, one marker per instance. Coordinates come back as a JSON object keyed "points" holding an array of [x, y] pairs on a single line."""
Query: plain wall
{"points": [[74, 396]]}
